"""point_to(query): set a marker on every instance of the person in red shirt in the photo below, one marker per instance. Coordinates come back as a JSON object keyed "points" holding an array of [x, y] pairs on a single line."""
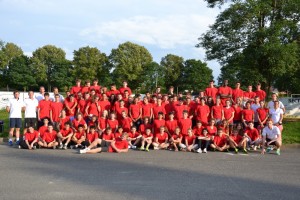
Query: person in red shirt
{"points": [[56, 108], [260, 93], [249, 95], [86, 88], [75, 89], [82, 102], [185, 123], [112, 122], [125, 87], [238, 108], [126, 122], [31, 138], [145, 125], [217, 112], [79, 137], [70, 105], [91, 136], [113, 90], [102, 121], [211, 128], [49, 138], [158, 108], [237, 93], [198, 128], [189, 141], [176, 140], [93, 107], [64, 136], [179, 108], [157, 123], [253, 136], [211, 91], [171, 124], [44, 108], [229, 114], [120, 109], [262, 115], [161, 139], [93, 122], [247, 114], [63, 118], [43, 128], [120, 145], [147, 110], [95, 86], [204, 141], [79, 121], [104, 103], [147, 138], [134, 138], [170, 106], [220, 142], [202, 112], [135, 112], [237, 142], [225, 92]]}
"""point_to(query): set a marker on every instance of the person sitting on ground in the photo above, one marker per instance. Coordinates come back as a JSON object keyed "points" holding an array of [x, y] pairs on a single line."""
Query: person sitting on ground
{"points": [[65, 135], [253, 136], [31, 137], [161, 139], [176, 139], [49, 138], [189, 141], [220, 142], [134, 138], [237, 142], [146, 139], [78, 137], [204, 140], [91, 136]]}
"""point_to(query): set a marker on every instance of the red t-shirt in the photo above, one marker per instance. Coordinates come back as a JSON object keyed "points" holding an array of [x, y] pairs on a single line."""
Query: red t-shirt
{"points": [[179, 111], [78, 135], [211, 92], [169, 108], [220, 141], [97, 88], [184, 125], [175, 137], [262, 113], [248, 115], [261, 94], [76, 123], [85, 89], [62, 122], [157, 124], [105, 105], [217, 111], [157, 109], [119, 144], [113, 124], [237, 93], [75, 90], [122, 90], [119, 113], [93, 110], [82, 105], [70, 105], [106, 136], [147, 136], [31, 136], [115, 92], [253, 133], [91, 137], [190, 139], [126, 124], [56, 108], [102, 123], [236, 138], [65, 132], [49, 137], [146, 110], [143, 127], [171, 126], [211, 130], [250, 95], [42, 130], [224, 91], [135, 110], [228, 113], [45, 107], [202, 113], [161, 137], [237, 113], [197, 131]]}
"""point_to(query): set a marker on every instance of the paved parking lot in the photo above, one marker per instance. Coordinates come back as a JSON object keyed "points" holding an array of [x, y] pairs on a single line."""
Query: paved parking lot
{"points": [[58, 174]]}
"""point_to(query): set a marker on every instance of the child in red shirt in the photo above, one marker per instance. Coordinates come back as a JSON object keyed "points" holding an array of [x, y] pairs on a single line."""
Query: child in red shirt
{"points": [[161, 139], [237, 141], [134, 138], [189, 141], [204, 140], [91, 136], [176, 139], [146, 139], [64, 136], [220, 142], [49, 138], [79, 137]]}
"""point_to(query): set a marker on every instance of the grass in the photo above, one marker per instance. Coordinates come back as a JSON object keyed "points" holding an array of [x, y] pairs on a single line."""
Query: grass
{"points": [[291, 130]]}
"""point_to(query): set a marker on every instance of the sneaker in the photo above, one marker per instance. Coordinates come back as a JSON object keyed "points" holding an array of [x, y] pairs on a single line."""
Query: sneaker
{"points": [[245, 151], [236, 150], [278, 152], [82, 151], [61, 146], [199, 150], [18, 142], [155, 148], [129, 146], [204, 150], [19, 146], [10, 143], [133, 147], [142, 149], [34, 147], [255, 148], [147, 150], [269, 149], [65, 147]]}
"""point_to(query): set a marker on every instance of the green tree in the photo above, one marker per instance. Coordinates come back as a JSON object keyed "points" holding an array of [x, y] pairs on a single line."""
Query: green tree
{"points": [[173, 66], [19, 74], [195, 75], [153, 76], [255, 38], [128, 63], [62, 77], [47, 60], [88, 63]]}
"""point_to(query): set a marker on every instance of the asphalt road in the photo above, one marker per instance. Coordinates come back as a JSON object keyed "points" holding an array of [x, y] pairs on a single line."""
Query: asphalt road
{"points": [[59, 174]]}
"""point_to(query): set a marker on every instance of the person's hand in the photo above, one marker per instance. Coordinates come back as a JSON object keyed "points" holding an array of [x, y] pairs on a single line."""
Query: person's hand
{"points": [[263, 151]]}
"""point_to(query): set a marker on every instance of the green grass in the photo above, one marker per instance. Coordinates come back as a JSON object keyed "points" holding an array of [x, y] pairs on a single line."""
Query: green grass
{"points": [[290, 135]]}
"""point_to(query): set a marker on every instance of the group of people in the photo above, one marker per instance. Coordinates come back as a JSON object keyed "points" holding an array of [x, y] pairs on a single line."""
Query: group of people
{"points": [[95, 119]]}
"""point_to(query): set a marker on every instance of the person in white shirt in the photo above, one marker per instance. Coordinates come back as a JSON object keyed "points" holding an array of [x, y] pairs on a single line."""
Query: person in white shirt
{"points": [[15, 107], [31, 105], [40, 96], [271, 103], [271, 135], [254, 107], [276, 115], [55, 92]]}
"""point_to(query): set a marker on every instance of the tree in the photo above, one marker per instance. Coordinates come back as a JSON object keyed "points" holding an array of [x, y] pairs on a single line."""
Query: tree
{"points": [[46, 60], [19, 73], [128, 63], [88, 63], [195, 75], [62, 77], [153, 76], [173, 66], [255, 38]]}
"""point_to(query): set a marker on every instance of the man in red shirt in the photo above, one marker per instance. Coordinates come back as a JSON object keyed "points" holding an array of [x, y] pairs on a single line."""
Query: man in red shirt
{"points": [[75, 89], [253, 136], [126, 122], [161, 139], [225, 92], [158, 108], [237, 93], [65, 135], [86, 88], [70, 105], [56, 108], [147, 110], [135, 112], [113, 90], [157, 123], [185, 123], [179, 108], [95, 86], [247, 114], [44, 108], [202, 112], [125, 87], [249, 95], [49, 138], [31, 137], [259, 92], [220, 142], [211, 91]]}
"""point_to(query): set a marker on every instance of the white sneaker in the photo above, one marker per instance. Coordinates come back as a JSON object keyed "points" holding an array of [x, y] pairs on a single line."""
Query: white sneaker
{"points": [[199, 150], [254, 148], [155, 148], [129, 147], [82, 151], [133, 147], [204, 150]]}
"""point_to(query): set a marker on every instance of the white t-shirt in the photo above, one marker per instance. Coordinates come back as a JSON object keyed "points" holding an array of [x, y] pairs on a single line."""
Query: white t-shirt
{"points": [[254, 107], [15, 106], [271, 133], [275, 114], [52, 97], [39, 96], [30, 107], [271, 104]]}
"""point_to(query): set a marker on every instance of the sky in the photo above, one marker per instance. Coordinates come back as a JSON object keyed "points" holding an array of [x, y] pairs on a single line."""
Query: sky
{"points": [[162, 26]]}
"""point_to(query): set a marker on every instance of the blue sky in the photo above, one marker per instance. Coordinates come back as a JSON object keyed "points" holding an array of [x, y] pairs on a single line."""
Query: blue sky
{"points": [[162, 26]]}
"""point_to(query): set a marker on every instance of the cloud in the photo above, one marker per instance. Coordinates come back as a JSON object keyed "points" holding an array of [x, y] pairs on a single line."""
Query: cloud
{"points": [[164, 32]]}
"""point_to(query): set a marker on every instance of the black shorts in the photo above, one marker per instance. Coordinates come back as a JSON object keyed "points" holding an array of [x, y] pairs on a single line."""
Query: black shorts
{"points": [[272, 143], [30, 121], [15, 122]]}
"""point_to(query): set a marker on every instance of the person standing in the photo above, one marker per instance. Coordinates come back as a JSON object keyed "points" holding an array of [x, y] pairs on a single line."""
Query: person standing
{"points": [[31, 105], [15, 107]]}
